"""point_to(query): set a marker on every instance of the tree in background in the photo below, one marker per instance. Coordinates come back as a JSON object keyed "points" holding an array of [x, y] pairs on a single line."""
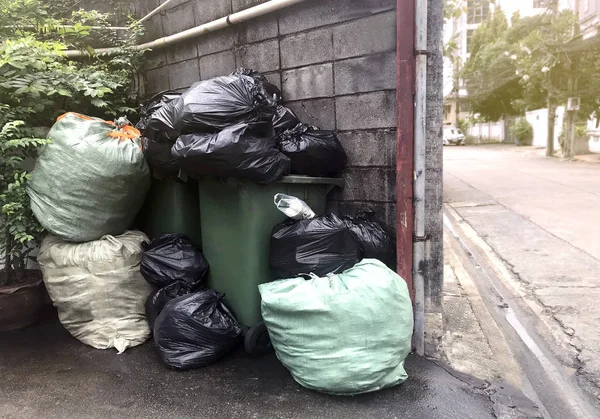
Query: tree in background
{"points": [[513, 69], [490, 73]]}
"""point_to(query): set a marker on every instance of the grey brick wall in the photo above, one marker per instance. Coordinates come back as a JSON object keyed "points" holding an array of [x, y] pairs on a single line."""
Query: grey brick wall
{"points": [[334, 61]]}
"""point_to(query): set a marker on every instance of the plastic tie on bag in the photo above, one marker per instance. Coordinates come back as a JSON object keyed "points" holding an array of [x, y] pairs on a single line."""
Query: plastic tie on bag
{"points": [[120, 344]]}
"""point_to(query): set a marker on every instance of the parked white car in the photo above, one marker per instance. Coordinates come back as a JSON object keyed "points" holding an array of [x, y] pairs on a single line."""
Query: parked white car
{"points": [[454, 136], [594, 142]]}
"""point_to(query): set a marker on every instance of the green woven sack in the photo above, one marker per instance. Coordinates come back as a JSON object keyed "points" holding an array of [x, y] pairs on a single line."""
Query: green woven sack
{"points": [[342, 334], [90, 181]]}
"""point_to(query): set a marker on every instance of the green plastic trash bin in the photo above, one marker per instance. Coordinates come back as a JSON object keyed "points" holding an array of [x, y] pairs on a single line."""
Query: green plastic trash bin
{"points": [[171, 206], [237, 218]]}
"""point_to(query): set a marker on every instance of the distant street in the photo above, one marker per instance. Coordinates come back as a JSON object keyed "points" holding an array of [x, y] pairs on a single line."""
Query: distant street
{"points": [[541, 217]]}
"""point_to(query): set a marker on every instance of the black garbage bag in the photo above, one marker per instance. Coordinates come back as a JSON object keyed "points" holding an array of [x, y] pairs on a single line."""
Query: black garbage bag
{"points": [[321, 245], [158, 299], [173, 257], [271, 89], [313, 152], [159, 158], [212, 105], [245, 151], [374, 240], [152, 105], [196, 330], [284, 119]]}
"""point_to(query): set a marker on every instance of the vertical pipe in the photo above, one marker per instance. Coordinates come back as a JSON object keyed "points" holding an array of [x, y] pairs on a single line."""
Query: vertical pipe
{"points": [[419, 170], [405, 85]]}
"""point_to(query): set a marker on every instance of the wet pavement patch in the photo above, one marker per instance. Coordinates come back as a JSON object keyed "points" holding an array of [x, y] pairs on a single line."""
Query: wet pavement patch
{"points": [[47, 373]]}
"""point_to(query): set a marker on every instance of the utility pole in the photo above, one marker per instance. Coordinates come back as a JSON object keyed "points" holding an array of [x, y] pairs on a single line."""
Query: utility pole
{"points": [[551, 102], [456, 91], [455, 75], [572, 103]]}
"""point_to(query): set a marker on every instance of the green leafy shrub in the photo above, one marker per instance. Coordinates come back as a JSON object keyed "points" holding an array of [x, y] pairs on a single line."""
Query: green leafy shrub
{"points": [[522, 131]]}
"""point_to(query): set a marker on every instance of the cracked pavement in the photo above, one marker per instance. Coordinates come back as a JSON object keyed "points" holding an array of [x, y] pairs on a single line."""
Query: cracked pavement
{"points": [[541, 217]]}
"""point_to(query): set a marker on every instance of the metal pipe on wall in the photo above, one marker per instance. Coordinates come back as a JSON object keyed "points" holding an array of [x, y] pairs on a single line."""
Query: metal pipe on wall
{"points": [[420, 122], [232, 19], [405, 85], [411, 77]]}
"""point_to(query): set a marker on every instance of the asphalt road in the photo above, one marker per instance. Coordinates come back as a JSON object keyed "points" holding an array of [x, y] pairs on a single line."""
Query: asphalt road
{"points": [[45, 373], [541, 219]]}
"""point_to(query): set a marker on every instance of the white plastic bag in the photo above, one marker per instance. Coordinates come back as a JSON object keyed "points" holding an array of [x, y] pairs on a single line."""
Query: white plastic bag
{"points": [[98, 289], [293, 207]]}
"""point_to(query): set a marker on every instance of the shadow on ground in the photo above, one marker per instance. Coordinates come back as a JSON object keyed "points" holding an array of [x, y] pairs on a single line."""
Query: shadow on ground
{"points": [[47, 373]]}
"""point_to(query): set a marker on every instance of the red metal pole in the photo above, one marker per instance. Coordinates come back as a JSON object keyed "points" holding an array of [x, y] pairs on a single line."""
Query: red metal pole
{"points": [[405, 87]]}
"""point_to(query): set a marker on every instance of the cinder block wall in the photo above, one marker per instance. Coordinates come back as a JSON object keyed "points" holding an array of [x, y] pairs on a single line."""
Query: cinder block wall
{"points": [[333, 60]]}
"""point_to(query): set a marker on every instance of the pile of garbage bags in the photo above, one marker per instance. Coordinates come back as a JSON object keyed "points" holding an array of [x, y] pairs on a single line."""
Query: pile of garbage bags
{"points": [[234, 126], [337, 282], [325, 244], [192, 325], [339, 319], [86, 188]]}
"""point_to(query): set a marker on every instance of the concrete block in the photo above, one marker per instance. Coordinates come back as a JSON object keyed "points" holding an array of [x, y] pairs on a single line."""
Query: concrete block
{"points": [[173, 3], [245, 4], [308, 82], [307, 48], [219, 64], [263, 56], [156, 59], [365, 74], [153, 29], [319, 112], [369, 35], [274, 78], [384, 212], [314, 14], [370, 148], [157, 80], [369, 184], [366, 111], [178, 19], [183, 74], [208, 10], [259, 29], [216, 41], [143, 7], [181, 52]]}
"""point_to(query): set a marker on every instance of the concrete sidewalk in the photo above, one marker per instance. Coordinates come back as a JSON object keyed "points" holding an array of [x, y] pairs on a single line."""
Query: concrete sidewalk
{"points": [[541, 217], [48, 374]]}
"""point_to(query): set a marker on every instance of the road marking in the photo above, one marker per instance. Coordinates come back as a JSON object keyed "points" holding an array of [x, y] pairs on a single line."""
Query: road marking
{"points": [[547, 365]]}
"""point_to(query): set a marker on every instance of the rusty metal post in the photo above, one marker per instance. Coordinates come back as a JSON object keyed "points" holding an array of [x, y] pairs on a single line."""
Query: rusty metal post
{"points": [[405, 87]]}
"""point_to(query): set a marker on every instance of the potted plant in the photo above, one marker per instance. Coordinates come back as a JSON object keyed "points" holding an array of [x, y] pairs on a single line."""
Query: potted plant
{"points": [[21, 292]]}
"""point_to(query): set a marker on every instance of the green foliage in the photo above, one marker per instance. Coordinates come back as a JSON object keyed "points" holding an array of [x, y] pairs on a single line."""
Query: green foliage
{"points": [[489, 73], [522, 131], [21, 230], [38, 83], [514, 69], [463, 125], [581, 133]]}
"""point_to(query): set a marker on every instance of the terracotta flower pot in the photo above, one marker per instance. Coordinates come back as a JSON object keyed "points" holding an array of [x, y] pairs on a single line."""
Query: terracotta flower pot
{"points": [[20, 304]]}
